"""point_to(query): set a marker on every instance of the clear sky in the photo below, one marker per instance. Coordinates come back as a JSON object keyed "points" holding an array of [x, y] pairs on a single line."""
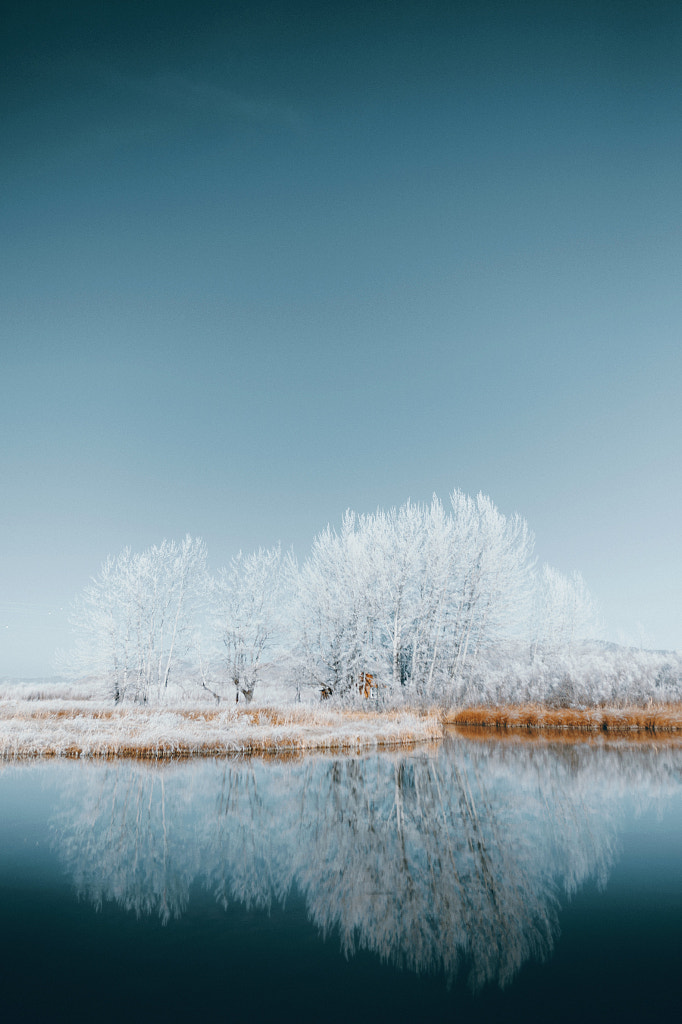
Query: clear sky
{"points": [[262, 262]]}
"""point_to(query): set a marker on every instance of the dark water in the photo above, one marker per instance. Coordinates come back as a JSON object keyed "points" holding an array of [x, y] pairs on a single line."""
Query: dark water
{"points": [[479, 881]]}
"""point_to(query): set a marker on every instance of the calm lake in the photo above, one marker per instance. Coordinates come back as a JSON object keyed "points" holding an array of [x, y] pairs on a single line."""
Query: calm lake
{"points": [[475, 880]]}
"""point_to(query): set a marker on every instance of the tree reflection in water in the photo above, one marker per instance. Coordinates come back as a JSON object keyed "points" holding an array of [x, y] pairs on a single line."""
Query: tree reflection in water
{"points": [[436, 860]]}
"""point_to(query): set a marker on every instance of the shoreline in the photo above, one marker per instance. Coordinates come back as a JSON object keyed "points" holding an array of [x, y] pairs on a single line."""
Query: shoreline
{"points": [[37, 729], [62, 730], [630, 719]]}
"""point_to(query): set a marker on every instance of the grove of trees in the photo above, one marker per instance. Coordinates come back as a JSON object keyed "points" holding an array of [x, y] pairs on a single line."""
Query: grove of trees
{"points": [[138, 617], [421, 602]]}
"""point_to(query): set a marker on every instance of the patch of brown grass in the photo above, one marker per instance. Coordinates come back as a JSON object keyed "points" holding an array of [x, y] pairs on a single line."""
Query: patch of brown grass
{"points": [[34, 712], [650, 719], [197, 715]]}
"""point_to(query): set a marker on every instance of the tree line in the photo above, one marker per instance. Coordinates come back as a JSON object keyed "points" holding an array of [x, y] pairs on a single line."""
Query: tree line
{"points": [[415, 601]]}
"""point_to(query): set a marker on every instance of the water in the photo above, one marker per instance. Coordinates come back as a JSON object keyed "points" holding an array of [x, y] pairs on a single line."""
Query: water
{"points": [[479, 879]]}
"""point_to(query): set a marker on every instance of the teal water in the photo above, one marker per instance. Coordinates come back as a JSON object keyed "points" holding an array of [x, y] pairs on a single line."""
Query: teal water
{"points": [[481, 880]]}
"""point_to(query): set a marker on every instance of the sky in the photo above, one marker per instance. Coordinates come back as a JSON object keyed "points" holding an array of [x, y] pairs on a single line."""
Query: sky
{"points": [[263, 262]]}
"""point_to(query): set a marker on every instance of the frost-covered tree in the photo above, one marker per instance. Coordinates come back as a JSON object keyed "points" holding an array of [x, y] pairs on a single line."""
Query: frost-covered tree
{"points": [[248, 610], [397, 542], [413, 596], [138, 616], [335, 603], [492, 579], [565, 615], [417, 602]]}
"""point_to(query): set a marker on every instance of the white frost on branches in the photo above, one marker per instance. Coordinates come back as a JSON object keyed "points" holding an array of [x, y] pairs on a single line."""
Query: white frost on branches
{"points": [[415, 595], [421, 602], [138, 617], [247, 616]]}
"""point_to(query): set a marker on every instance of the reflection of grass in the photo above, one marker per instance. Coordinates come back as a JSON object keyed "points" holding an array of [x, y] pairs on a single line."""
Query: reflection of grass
{"points": [[566, 737], [649, 719], [54, 729]]}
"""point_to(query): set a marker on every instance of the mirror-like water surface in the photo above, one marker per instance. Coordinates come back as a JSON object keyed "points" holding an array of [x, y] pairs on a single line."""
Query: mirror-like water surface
{"points": [[478, 880]]}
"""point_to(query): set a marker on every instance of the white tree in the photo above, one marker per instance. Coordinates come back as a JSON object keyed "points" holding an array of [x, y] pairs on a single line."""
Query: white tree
{"points": [[138, 616], [248, 615], [397, 549], [421, 600], [335, 603], [565, 614], [413, 595], [493, 579], [414, 553], [102, 621]]}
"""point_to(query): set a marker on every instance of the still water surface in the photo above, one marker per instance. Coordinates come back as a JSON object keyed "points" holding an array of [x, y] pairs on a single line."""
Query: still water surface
{"points": [[480, 879]]}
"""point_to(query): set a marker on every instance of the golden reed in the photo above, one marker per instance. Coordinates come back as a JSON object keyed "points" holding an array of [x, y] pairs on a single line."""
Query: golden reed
{"points": [[654, 718]]}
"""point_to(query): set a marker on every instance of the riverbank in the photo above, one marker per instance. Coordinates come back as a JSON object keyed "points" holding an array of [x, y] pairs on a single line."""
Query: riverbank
{"points": [[95, 729], [34, 729]]}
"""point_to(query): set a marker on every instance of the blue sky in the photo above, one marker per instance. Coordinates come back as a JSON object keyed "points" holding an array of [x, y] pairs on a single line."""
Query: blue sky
{"points": [[263, 262]]}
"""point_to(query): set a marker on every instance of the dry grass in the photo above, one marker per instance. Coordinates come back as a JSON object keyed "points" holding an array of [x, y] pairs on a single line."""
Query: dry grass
{"points": [[29, 730], [91, 729], [655, 718]]}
